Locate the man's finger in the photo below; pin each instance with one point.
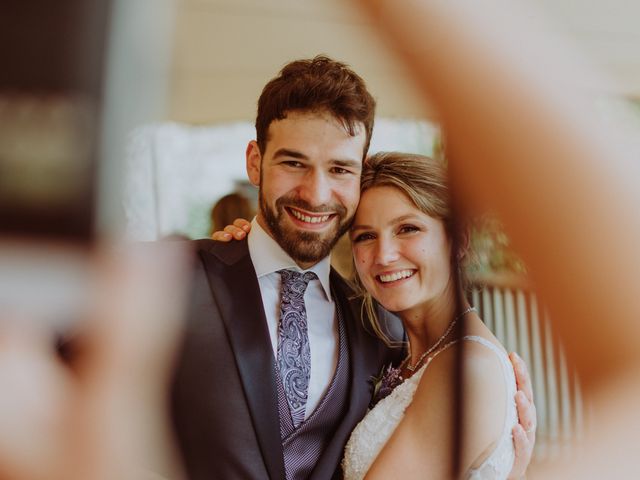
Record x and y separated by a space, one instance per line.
523 379
522 448
526 414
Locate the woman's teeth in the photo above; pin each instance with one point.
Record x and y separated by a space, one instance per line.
392 277
308 219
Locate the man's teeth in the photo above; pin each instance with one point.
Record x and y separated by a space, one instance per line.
392 277
308 219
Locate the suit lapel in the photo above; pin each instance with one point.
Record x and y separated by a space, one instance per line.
235 288
365 355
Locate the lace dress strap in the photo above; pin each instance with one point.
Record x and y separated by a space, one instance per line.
471 338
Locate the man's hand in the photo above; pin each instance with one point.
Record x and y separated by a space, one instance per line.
237 231
524 434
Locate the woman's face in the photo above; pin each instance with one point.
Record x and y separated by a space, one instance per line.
401 254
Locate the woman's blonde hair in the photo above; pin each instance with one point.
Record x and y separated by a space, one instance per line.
424 181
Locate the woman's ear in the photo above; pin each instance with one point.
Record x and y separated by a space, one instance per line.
254 162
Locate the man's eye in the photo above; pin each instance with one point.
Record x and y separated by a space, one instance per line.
340 170
293 163
362 237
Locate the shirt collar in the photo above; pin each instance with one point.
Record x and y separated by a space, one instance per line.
268 257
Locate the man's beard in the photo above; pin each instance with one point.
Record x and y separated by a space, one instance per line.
304 247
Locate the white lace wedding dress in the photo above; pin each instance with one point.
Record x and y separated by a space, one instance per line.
370 435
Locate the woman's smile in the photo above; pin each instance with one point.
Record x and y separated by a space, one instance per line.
395 277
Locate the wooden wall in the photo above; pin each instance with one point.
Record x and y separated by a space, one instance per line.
225 51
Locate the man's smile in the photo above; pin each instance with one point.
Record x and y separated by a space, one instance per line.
310 220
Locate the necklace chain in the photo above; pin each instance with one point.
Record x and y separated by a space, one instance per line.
413 368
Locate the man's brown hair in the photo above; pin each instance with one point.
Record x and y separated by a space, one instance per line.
319 84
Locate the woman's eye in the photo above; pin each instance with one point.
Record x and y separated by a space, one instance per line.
362 237
408 229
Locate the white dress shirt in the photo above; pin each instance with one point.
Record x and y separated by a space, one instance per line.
268 257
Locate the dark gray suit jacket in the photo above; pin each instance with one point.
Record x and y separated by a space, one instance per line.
224 400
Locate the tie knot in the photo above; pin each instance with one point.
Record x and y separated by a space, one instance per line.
296 281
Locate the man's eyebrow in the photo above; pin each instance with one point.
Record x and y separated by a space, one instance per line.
347 163
286 152
340 162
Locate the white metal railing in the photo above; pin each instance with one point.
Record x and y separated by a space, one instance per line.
511 309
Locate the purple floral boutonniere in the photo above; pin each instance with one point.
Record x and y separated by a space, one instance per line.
388 379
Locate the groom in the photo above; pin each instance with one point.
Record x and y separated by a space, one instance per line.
276 365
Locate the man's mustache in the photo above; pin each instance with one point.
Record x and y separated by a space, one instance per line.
336 208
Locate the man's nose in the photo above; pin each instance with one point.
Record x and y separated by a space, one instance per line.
316 189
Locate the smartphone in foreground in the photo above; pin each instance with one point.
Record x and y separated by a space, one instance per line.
51 90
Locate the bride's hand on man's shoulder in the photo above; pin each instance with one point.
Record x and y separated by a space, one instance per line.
237 231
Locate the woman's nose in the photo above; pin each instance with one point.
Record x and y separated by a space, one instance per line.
386 252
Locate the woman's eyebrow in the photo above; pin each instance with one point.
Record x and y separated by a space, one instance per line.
361 227
401 218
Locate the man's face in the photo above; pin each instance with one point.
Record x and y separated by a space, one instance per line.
309 179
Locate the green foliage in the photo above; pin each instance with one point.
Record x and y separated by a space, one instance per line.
490 249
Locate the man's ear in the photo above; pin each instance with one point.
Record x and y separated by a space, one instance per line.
254 161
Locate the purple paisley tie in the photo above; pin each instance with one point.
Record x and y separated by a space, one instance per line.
294 354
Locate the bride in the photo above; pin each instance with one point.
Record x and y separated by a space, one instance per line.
405 255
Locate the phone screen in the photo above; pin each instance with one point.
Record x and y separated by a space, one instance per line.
47 167
52 56
51 82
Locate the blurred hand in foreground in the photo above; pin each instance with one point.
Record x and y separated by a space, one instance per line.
103 416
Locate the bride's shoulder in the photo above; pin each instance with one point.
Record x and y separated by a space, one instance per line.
483 365
482 376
